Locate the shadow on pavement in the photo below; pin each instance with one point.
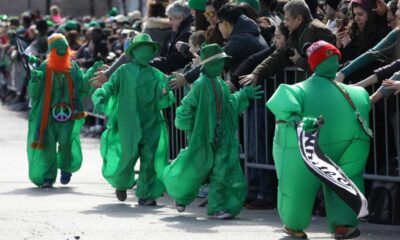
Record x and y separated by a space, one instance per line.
44 192
122 210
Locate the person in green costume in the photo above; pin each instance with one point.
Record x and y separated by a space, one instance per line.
342 138
56 89
132 100
209 116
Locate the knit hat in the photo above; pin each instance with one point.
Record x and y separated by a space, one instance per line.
319 51
333 4
55 39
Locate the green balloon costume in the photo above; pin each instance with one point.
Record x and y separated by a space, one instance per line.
342 138
132 100
56 117
209 116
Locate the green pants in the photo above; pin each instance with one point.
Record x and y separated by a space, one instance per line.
119 170
62 151
298 187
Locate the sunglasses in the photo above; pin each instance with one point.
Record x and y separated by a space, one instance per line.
209 14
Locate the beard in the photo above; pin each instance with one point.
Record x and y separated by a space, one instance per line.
60 63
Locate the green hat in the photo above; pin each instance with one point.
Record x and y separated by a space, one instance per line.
252 3
92 23
70 25
212 52
3 17
55 39
112 12
197 4
139 40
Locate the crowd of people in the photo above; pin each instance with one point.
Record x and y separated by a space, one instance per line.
181 45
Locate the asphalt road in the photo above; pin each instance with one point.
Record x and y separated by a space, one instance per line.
87 208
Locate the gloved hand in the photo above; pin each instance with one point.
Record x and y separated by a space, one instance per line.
253 91
35 74
309 124
99 105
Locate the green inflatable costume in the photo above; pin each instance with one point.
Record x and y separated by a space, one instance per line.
342 138
55 90
209 115
132 100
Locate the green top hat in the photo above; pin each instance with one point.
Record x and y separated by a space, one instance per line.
139 40
212 52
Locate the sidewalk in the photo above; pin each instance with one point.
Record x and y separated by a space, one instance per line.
87 209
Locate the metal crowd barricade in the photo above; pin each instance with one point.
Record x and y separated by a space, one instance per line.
177 138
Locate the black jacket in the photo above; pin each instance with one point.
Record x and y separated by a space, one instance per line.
170 58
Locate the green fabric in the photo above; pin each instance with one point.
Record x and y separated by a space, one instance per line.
43 163
385 50
341 138
198 4
61 44
202 161
132 100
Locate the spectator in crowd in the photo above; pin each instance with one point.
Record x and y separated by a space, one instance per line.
156 23
55 13
213 33
303 30
95 50
331 7
268 9
387 50
363 32
170 58
73 40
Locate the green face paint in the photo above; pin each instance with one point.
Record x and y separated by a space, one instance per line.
328 67
60 45
143 54
214 68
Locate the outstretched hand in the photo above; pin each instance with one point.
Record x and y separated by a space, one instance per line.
99 79
392 85
254 91
246 80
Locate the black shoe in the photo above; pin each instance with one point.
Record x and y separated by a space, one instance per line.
121 195
179 208
344 232
47 183
147 202
298 234
65 177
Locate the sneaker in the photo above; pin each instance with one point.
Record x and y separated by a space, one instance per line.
121 195
65 177
299 234
223 215
203 191
47 183
179 208
147 202
346 232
